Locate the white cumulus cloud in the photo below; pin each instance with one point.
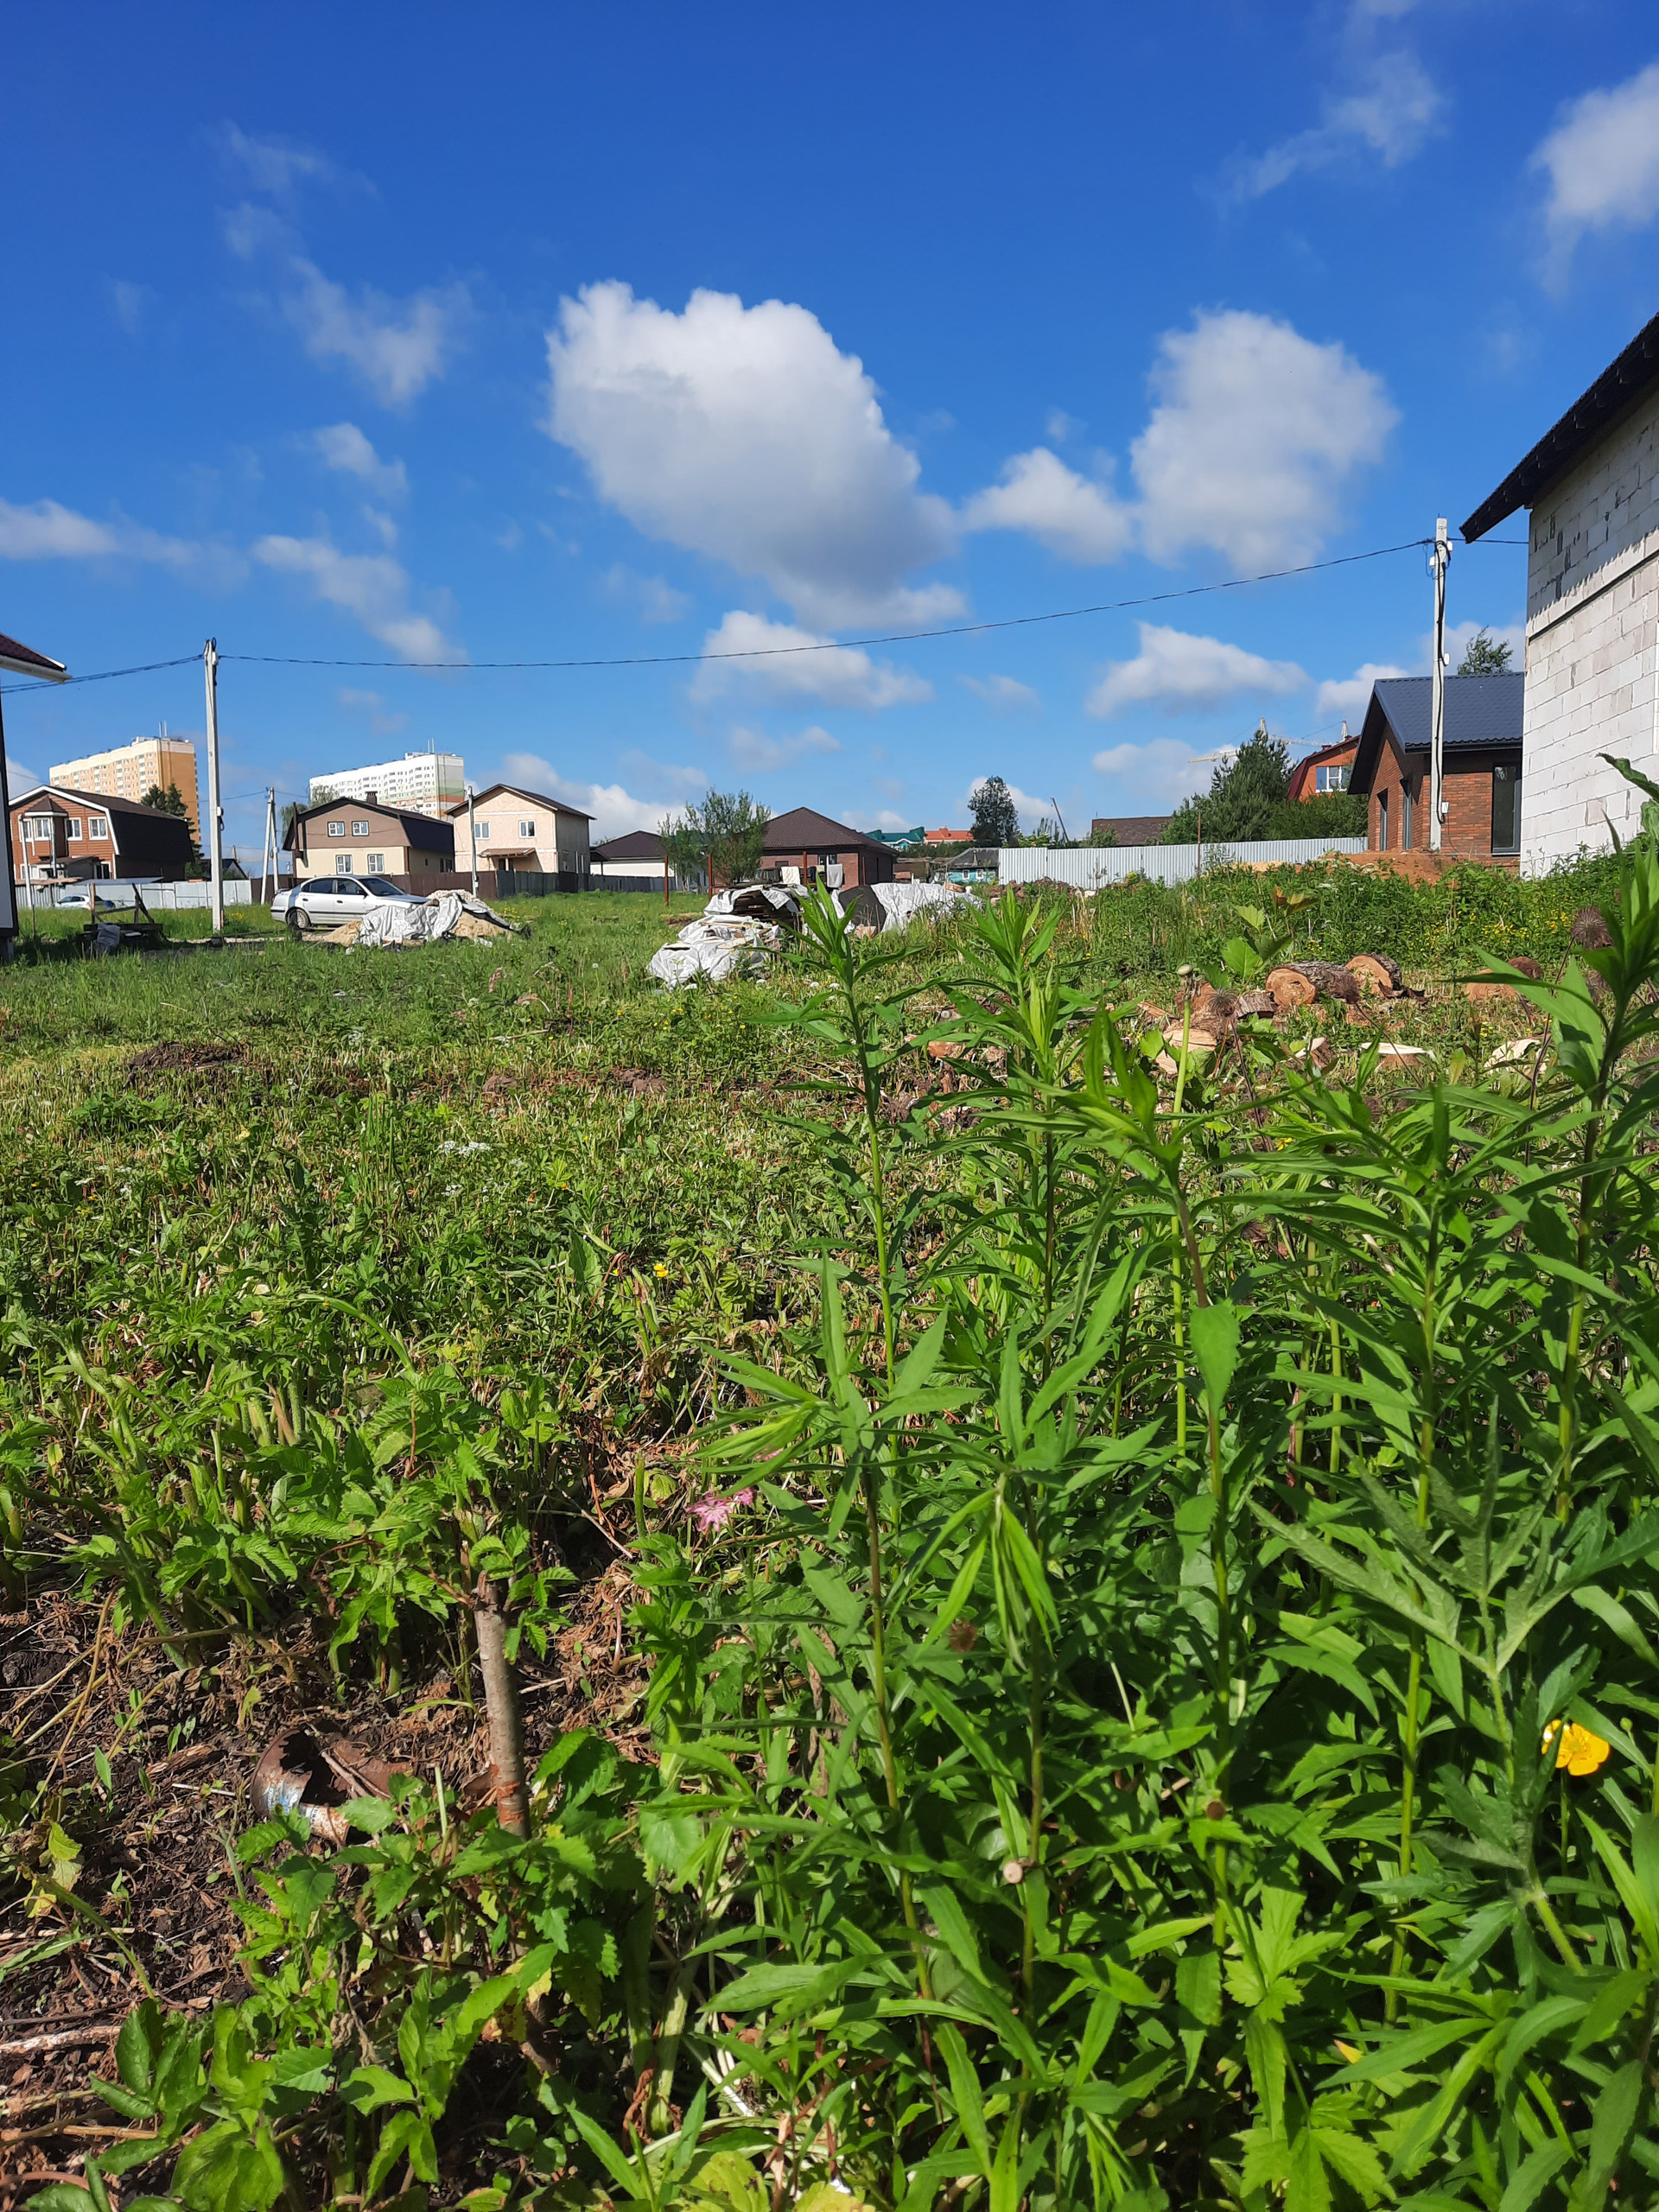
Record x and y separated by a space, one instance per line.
46 530
1080 520
757 750
1349 696
744 433
1256 433
653 599
615 808
1006 693
1602 165
277 165
342 446
396 346
1393 107
793 664
1163 771
371 587
1178 674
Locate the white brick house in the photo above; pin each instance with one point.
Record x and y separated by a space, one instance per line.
1591 485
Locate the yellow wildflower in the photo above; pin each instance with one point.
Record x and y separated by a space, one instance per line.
659 1269
1580 1751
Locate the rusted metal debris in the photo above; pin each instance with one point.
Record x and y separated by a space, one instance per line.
316 1774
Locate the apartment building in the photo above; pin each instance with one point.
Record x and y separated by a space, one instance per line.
131 772
423 783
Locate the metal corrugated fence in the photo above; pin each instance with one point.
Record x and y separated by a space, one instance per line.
1087 867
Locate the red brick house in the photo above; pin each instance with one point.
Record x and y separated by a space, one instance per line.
811 845
1482 763
1331 769
60 835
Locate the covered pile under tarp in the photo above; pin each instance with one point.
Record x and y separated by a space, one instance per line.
716 945
902 902
445 914
758 902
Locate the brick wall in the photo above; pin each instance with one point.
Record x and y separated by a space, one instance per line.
1467 831
1592 601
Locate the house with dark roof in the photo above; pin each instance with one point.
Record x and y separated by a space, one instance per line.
1590 488
806 847
63 835
359 836
1130 828
522 832
1482 766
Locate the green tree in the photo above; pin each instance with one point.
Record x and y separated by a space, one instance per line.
993 813
171 801
720 840
1484 656
1246 790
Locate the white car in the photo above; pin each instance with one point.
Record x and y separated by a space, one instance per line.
324 901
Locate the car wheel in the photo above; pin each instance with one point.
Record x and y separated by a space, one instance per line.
298 919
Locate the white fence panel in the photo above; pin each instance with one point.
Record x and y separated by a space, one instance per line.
115 891
1087 867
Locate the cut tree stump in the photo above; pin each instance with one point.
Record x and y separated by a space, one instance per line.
1298 982
1377 972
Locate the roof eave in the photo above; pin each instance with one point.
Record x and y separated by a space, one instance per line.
1620 388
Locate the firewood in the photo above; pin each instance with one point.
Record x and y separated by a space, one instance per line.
1376 971
1527 968
1291 988
1258 1002
1484 991
1196 1039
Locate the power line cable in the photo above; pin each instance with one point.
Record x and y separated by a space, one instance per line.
773 652
853 644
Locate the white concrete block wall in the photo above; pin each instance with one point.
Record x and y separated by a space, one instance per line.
1592 641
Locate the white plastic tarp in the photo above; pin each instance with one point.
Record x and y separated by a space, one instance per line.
715 946
902 902
397 923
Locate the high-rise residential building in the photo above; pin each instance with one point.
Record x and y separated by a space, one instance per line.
132 771
428 782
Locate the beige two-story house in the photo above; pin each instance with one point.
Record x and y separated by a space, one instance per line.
355 837
521 832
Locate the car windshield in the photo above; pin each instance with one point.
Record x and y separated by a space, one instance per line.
383 888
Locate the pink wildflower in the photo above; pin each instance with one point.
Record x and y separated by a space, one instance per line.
714 1512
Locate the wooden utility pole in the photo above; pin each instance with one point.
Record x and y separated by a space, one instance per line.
1441 558
215 859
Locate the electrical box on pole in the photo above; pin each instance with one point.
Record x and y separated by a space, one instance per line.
1437 807
215 858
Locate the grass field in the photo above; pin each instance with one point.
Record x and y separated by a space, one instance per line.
1046 1598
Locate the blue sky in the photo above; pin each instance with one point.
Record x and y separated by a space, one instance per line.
547 333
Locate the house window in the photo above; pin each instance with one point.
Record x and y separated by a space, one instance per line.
377 863
74 825
483 832
1381 821
343 863
1406 810
526 829
336 828
1331 778
97 827
1506 808
359 829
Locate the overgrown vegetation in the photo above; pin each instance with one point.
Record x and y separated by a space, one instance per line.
1140 1586
1249 798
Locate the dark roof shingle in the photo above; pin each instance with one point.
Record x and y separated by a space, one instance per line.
1618 388
1481 711
803 830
